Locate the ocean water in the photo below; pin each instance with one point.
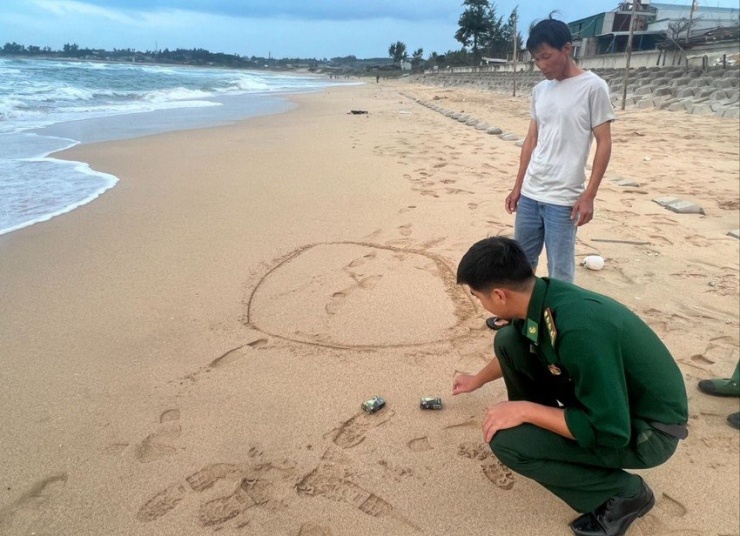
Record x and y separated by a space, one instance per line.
47 106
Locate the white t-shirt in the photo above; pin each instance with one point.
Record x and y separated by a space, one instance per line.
566 112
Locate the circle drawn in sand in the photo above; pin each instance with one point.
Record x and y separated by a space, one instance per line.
357 295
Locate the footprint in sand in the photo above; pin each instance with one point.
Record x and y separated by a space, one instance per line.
362 260
157 444
334 483
167 499
257 485
500 475
668 511
420 444
698 241
312 529
369 282
335 302
251 492
31 505
352 432
162 503
338 299
405 230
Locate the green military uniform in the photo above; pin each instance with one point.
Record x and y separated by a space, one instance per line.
623 394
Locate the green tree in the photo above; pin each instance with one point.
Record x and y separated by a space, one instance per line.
456 58
13 48
498 42
397 51
507 31
71 50
417 57
475 25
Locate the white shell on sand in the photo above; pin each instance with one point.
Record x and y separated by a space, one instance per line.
593 262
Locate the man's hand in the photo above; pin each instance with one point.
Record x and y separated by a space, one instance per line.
510 414
583 209
502 416
464 383
512 200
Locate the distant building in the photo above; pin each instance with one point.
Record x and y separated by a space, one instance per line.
608 32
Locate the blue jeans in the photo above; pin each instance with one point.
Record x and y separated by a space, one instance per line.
543 224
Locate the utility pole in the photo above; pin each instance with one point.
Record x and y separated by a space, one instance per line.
629 53
516 43
691 19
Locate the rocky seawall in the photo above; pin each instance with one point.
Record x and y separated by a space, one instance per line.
715 90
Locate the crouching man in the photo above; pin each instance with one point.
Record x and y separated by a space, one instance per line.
592 390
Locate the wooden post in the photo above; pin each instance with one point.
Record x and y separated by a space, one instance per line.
629 54
516 19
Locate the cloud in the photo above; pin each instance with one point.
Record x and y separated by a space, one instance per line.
63 8
409 10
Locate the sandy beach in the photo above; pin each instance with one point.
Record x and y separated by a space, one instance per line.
188 353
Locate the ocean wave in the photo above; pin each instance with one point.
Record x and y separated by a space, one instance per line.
176 94
62 190
53 98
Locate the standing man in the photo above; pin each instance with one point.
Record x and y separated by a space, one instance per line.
569 110
592 389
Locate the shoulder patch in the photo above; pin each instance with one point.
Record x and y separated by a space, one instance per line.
550 325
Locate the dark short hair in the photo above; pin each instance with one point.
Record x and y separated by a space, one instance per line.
495 262
550 32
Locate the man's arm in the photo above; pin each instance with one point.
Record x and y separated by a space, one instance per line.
530 142
465 383
584 207
510 414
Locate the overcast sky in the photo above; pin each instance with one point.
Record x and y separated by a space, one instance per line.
282 28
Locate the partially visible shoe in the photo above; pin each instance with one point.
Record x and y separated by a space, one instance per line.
734 420
614 517
720 387
495 323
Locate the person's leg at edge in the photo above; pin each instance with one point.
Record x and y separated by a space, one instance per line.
560 242
729 387
529 229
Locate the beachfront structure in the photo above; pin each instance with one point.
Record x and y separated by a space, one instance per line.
655 23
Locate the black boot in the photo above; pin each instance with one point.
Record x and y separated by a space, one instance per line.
615 516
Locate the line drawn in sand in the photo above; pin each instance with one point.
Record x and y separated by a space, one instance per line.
375 271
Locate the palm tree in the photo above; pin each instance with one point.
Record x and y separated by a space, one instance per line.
397 51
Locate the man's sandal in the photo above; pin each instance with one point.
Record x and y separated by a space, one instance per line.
495 323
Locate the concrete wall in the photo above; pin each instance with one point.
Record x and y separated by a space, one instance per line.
712 90
647 58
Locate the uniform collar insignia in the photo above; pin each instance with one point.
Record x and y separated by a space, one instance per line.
550 325
531 328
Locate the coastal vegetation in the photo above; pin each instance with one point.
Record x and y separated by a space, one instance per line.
481 32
